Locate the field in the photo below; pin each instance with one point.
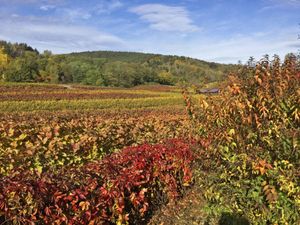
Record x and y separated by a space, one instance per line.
73 154
61 130
38 97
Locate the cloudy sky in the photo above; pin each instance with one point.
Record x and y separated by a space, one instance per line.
214 30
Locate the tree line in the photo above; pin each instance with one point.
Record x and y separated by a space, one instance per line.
20 62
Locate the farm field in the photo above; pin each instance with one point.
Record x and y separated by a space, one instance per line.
74 154
37 97
60 131
119 112
83 123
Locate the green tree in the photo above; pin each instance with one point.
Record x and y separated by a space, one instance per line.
165 77
23 69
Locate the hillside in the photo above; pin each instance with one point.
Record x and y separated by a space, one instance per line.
133 57
22 63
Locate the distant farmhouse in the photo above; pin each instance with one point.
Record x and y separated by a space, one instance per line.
209 91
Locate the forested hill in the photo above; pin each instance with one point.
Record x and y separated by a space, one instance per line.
22 63
130 57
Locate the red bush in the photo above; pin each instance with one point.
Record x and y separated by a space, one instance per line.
122 187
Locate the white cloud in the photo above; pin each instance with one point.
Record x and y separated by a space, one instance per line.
223 49
18 1
75 14
165 18
59 38
105 6
32 1
293 2
275 4
47 7
85 13
14 15
242 47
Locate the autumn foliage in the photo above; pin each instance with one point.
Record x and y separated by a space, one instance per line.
121 188
253 129
60 139
67 168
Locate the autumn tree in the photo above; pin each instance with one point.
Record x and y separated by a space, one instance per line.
3 62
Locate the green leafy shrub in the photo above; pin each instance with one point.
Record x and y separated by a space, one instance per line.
253 133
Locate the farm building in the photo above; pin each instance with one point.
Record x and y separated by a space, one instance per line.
209 91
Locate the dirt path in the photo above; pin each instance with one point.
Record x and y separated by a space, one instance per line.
191 210
186 211
67 86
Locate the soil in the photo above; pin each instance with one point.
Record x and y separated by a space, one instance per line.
186 211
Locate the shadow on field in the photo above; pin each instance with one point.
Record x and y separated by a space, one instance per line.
232 219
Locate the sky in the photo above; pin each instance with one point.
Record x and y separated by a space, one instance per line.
214 30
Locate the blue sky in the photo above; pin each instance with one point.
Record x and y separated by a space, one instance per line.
214 30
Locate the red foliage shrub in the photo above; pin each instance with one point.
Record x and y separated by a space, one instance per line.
122 187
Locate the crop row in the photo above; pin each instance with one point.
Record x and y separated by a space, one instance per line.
51 142
158 88
30 96
26 90
29 87
52 92
52 105
20 117
122 188
21 87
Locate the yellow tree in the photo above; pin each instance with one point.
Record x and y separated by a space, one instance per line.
3 61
